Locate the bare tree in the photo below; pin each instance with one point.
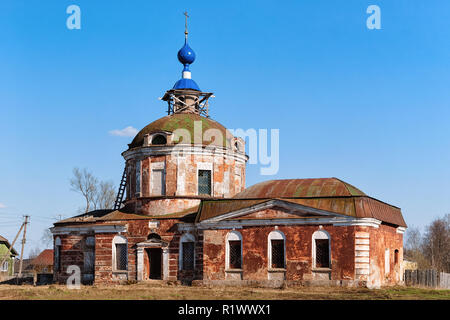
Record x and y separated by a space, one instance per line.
97 194
47 238
34 253
436 246
85 183
414 244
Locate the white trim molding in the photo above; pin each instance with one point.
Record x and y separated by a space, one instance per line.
400 230
88 229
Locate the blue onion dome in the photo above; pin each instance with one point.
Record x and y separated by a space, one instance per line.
186 55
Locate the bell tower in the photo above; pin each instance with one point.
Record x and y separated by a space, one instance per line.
186 96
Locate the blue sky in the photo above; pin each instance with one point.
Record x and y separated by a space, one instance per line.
370 107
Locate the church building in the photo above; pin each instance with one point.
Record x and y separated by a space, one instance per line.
183 214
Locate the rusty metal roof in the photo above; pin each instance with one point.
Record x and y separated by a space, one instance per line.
328 194
91 218
296 188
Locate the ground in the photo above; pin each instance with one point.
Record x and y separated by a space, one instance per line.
177 292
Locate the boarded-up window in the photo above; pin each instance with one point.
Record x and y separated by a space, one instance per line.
121 256
158 182
322 253
235 254
188 255
387 264
277 253
204 182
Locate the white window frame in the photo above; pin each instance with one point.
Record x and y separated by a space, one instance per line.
320 235
5 266
206 166
232 236
118 239
275 235
186 237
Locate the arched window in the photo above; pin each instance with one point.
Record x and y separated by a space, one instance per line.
233 250
276 246
57 262
159 139
120 253
187 252
5 266
321 249
396 256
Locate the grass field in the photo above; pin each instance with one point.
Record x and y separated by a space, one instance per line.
177 292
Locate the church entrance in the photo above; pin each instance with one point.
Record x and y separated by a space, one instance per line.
155 263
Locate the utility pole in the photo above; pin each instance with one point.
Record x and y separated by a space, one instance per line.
23 245
12 245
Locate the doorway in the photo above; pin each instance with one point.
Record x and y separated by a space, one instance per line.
155 263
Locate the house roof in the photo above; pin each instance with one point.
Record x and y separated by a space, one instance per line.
90 218
45 258
8 245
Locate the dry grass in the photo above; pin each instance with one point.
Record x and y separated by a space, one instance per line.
176 292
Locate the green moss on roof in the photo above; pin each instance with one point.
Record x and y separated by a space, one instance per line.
292 188
184 121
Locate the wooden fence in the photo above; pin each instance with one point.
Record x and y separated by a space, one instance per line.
427 278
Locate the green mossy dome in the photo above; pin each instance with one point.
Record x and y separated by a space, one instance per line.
186 121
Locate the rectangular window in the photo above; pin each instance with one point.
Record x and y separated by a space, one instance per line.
322 253
5 266
235 254
138 177
188 255
121 256
57 258
277 253
89 256
204 182
158 182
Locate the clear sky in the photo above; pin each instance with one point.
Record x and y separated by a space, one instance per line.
370 107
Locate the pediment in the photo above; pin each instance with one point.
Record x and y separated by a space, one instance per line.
274 213
274 209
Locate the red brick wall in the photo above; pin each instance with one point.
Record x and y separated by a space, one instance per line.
381 238
137 231
298 252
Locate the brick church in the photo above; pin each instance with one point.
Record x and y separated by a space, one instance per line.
183 214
